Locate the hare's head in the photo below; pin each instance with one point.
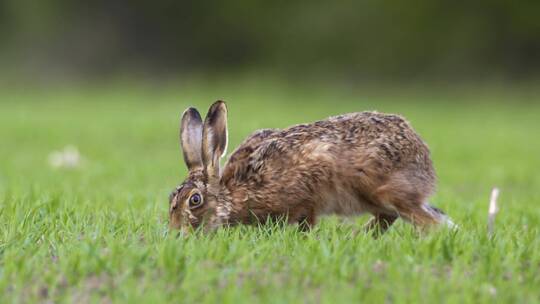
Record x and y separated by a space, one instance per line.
195 201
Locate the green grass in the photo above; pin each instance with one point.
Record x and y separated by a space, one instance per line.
98 232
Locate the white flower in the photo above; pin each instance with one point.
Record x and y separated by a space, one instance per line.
69 157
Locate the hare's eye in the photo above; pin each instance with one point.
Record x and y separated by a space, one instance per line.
195 200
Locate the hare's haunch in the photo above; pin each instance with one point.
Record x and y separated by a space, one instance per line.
346 165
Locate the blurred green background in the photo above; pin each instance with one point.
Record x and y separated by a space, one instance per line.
344 40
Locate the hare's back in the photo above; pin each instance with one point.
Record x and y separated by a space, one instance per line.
388 135
387 139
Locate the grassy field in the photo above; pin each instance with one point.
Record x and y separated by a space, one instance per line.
97 233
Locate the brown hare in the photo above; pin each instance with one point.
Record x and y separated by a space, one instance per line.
346 165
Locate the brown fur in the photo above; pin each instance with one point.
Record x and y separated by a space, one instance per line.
345 165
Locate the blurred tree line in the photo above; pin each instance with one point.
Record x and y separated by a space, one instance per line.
369 38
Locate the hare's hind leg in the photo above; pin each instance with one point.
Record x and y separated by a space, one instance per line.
418 215
408 204
303 215
440 215
425 216
379 223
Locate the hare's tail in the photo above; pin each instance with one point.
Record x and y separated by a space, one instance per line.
443 217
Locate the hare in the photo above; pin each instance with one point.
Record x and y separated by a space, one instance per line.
346 165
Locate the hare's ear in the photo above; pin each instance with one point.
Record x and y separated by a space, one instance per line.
214 137
191 129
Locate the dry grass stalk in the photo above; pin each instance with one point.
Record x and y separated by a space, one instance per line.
493 210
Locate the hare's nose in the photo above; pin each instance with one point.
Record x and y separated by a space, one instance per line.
173 224
186 230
